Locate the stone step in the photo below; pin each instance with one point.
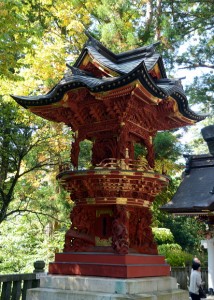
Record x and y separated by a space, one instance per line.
172 295
56 287
109 285
57 294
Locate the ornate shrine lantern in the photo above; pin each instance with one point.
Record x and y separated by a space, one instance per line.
115 101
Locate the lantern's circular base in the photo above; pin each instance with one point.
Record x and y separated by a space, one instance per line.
110 186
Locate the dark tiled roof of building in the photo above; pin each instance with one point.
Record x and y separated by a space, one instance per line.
196 191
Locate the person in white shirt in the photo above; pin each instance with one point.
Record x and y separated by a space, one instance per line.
195 281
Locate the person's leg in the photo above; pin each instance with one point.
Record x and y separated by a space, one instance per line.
192 296
195 297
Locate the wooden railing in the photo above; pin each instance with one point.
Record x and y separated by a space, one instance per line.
15 286
111 163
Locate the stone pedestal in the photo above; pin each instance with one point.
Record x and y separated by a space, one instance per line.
96 288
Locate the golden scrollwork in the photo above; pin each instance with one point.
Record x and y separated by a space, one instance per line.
102 242
90 200
107 211
121 200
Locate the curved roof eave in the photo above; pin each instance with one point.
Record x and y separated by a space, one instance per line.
97 85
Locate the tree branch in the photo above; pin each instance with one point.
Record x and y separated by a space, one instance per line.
39 166
37 213
193 66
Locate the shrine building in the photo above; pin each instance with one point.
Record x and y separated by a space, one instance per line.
195 196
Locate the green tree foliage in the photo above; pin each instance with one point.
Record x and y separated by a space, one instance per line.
172 250
13 36
187 232
27 157
175 256
34 207
24 240
162 235
168 150
167 146
201 93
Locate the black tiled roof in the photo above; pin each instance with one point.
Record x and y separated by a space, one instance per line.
124 62
159 88
124 67
196 191
132 66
